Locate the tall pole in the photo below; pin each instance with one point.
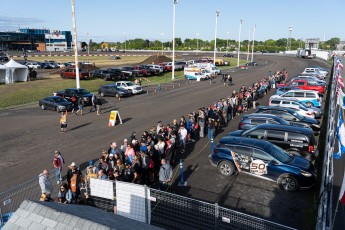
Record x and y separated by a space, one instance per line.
239 43
75 47
289 40
227 42
173 53
248 45
215 39
253 44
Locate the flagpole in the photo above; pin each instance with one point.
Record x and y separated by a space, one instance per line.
75 47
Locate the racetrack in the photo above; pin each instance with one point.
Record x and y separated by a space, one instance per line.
29 136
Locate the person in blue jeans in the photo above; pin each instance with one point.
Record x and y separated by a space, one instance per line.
211 128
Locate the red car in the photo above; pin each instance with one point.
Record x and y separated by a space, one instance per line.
304 84
71 73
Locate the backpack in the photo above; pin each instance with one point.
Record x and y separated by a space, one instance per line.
73 183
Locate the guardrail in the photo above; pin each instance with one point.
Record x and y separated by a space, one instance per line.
324 215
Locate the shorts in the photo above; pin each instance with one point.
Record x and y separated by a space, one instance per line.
80 107
64 125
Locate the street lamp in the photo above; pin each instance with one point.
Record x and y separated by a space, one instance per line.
125 33
253 44
50 50
215 39
162 34
239 43
173 54
248 44
227 42
289 39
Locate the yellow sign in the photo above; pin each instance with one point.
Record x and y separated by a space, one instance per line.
114 118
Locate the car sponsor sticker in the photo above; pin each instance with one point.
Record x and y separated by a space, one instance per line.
258 167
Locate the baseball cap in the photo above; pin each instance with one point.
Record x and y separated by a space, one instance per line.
111 155
72 164
91 163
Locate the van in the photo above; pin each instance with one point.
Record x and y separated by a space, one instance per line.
307 97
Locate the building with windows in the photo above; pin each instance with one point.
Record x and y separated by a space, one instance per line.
36 39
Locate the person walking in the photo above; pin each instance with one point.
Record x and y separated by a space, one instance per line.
98 105
46 185
94 103
80 103
63 121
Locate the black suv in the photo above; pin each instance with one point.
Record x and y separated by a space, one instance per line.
295 140
292 116
249 121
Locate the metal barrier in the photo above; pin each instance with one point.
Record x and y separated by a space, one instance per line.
11 199
324 215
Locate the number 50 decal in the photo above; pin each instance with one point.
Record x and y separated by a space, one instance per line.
258 167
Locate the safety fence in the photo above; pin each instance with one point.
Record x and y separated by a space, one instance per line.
324 215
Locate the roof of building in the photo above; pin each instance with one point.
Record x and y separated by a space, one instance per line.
52 215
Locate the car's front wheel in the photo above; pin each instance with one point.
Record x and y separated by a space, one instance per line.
225 168
288 183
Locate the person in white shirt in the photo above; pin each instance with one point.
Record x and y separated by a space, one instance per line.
183 137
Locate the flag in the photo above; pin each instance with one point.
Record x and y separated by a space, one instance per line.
340 134
340 82
340 66
342 192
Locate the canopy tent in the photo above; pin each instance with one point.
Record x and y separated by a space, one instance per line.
12 71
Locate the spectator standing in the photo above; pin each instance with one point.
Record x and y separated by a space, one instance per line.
63 121
80 103
201 121
183 137
94 102
57 163
98 105
71 169
45 184
75 187
211 128
165 175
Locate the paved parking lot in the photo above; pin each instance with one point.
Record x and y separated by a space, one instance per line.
29 136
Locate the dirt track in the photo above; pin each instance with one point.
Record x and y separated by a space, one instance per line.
29 136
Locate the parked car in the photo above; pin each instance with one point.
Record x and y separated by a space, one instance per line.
307 97
113 90
75 93
292 116
131 87
4 58
115 57
263 160
282 89
254 63
71 74
105 75
121 74
286 102
228 55
148 69
315 70
145 71
158 68
306 85
135 72
249 121
33 65
321 69
295 140
311 79
56 103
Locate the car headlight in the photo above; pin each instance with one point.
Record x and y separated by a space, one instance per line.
306 174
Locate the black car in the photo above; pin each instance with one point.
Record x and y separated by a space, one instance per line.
113 90
4 58
228 55
249 121
254 63
292 116
56 103
295 140
263 160
119 73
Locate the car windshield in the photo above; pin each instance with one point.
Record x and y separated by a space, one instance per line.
129 83
82 92
280 154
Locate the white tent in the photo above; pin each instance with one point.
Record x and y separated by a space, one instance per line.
12 71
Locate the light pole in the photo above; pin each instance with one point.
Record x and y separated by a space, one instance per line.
215 39
173 54
125 33
248 44
88 44
162 34
239 43
227 42
75 47
289 39
253 44
197 42
50 50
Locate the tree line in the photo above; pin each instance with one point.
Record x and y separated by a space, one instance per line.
190 44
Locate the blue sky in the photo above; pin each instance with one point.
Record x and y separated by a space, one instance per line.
108 20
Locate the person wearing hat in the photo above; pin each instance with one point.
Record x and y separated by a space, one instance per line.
71 169
111 162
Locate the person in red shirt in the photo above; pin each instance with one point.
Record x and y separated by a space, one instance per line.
57 162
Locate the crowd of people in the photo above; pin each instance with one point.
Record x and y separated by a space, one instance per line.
149 158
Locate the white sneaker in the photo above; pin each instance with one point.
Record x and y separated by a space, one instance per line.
58 182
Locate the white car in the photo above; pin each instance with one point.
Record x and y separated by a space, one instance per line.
156 67
130 86
33 65
302 110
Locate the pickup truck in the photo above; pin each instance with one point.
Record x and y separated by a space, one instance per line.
71 74
69 93
145 71
105 74
132 88
123 75
135 73
305 85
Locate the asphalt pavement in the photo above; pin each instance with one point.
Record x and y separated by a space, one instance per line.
29 136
